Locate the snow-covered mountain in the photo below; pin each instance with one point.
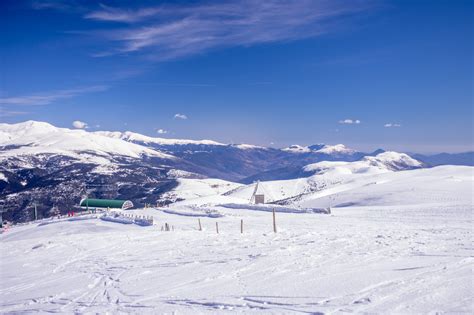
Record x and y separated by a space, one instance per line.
381 163
47 165
136 137
384 187
338 149
319 177
226 161
33 138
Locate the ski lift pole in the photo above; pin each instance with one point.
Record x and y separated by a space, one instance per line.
1 213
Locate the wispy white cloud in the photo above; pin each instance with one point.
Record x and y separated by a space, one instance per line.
180 116
171 31
162 131
79 124
350 121
9 113
392 125
112 14
69 5
50 97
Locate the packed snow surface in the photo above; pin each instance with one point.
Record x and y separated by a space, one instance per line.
403 246
442 184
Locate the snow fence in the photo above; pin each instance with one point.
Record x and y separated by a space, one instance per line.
269 208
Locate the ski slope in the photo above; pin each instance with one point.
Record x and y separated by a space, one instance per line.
398 254
357 260
438 185
329 174
191 188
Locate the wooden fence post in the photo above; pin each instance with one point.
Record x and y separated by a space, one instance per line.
241 226
274 222
217 228
200 226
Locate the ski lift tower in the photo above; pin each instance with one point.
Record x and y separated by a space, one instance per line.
35 208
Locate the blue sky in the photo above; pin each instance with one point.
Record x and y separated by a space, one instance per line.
369 74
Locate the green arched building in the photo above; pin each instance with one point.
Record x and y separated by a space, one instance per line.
106 204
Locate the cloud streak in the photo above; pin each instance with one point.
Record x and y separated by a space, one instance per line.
172 31
112 14
11 113
392 125
50 97
350 121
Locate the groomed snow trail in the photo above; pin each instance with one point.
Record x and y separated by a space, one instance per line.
406 259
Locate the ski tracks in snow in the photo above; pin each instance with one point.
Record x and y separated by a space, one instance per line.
348 262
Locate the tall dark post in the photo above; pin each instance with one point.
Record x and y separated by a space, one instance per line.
2 205
274 222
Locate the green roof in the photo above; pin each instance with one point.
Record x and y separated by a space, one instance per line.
106 203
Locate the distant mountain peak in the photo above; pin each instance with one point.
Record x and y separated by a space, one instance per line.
395 160
137 137
295 148
321 148
336 149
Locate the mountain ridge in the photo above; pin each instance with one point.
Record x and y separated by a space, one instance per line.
47 165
